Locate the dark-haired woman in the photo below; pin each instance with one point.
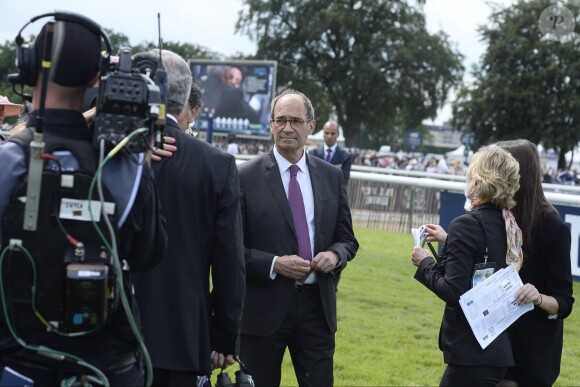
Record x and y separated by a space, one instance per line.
537 336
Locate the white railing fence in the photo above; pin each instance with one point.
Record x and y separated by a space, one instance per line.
397 200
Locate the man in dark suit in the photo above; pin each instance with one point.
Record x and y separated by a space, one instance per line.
297 236
183 323
331 152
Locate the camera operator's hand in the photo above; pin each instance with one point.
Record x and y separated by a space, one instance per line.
167 150
219 360
90 115
291 266
325 261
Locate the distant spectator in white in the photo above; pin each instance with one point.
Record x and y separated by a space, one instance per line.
442 166
233 148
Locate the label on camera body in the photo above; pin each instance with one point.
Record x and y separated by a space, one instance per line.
75 209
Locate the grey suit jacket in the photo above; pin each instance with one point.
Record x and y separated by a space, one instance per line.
269 231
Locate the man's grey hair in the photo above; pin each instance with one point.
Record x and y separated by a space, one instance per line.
179 79
307 103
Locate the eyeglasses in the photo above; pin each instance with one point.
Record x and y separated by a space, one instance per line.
296 123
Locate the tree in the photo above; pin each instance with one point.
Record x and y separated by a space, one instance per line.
185 50
118 40
526 86
8 59
371 62
8 66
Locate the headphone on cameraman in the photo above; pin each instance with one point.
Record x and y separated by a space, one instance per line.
26 58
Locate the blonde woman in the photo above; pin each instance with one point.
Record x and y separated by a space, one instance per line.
492 181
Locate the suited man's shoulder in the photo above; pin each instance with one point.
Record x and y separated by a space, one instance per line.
205 151
257 162
318 151
323 166
193 153
211 150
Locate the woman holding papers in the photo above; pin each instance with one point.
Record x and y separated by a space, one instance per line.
492 181
537 336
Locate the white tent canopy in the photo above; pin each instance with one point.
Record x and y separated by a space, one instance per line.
318 137
459 153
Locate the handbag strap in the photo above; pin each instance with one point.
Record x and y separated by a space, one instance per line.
480 221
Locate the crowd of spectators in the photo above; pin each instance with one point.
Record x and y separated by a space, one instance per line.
370 158
245 146
409 162
561 176
400 160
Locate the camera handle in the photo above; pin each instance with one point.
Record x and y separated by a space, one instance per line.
242 365
243 377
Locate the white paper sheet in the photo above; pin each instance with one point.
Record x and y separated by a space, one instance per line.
490 308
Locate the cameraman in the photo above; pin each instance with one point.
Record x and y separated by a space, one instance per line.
141 236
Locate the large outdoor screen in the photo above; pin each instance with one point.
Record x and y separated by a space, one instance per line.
236 95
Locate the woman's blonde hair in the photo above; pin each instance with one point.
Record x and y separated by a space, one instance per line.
493 176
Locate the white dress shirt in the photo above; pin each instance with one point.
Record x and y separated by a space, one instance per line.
303 178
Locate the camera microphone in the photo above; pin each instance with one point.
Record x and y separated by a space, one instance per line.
161 81
146 64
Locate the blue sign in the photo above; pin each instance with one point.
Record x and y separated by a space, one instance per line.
467 140
414 140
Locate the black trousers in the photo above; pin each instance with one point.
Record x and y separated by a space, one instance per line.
472 376
305 333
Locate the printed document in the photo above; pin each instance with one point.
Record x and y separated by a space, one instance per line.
490 306
418 234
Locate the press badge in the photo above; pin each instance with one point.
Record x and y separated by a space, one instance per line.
481 271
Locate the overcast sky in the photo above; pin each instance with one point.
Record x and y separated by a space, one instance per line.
211 23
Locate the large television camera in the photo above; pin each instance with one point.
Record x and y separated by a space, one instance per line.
128 98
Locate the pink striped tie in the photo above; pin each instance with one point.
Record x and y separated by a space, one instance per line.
299 216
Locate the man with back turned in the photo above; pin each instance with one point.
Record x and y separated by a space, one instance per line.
188 324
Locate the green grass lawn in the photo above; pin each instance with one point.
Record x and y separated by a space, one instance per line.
388 323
